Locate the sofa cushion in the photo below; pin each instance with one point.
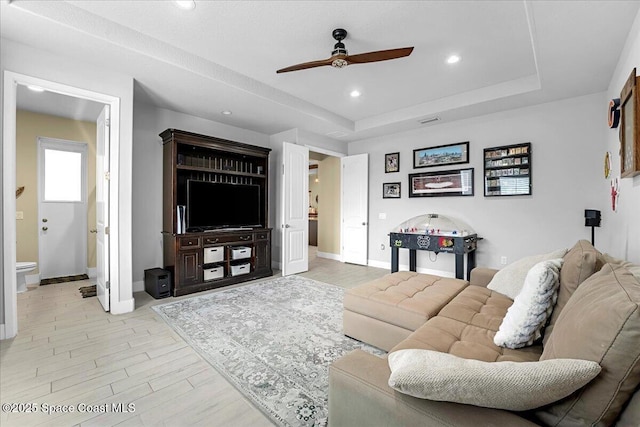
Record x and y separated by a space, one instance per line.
509 280
406 299
601 322
465 327
580 262
503 385
524 320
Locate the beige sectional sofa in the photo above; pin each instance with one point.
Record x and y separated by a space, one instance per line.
596 317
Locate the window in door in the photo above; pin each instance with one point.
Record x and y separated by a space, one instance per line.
62 176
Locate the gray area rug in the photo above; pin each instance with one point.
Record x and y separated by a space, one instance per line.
273 340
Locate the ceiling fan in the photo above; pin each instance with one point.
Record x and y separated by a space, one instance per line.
340 57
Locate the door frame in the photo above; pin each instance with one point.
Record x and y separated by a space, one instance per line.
11 81
45 142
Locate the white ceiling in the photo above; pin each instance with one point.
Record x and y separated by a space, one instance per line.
224 55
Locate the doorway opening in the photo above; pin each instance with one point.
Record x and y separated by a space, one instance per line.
13 82
324 206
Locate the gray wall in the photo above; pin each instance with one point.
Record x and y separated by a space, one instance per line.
567 150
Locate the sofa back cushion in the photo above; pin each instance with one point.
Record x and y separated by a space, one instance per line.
601 323
580 263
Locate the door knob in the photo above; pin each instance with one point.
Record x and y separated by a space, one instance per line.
287 226
44 220
93 231
364 223
45 228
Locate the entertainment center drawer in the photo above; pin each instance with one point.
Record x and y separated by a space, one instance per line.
229 238
263 235
188 242
209 240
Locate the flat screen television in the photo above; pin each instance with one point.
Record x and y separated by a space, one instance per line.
216 205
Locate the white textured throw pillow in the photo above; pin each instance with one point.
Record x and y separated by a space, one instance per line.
509 280
516 386
532 307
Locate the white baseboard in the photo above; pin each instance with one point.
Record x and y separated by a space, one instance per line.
379 264
92 272
328 255
138 286
2 337
405 267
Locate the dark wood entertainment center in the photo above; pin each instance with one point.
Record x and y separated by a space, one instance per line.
199 259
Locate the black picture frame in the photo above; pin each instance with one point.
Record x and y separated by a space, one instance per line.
391 162
391 190
441 155
452 182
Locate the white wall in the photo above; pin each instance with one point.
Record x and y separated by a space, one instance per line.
147 176
623 235
58 68
567 149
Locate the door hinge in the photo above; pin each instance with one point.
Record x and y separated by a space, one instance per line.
106 231
283 169
107 175
107 285
107 122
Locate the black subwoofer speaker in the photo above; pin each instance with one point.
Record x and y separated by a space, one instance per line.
157 282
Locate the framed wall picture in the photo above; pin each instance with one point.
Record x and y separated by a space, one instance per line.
630 127
392 162
441 155
391 190
455 182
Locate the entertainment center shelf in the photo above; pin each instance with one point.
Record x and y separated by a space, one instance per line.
215 211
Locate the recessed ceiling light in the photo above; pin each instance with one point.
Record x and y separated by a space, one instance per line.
453 59
186 4
355 93
226 112
35 88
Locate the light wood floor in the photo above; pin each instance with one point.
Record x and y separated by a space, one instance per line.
70 352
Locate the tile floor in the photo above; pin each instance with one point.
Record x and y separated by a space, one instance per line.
70 352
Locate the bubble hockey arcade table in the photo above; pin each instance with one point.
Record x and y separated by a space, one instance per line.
435 233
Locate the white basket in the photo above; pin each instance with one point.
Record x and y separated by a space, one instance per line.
240 252
213 254
213 273
237 270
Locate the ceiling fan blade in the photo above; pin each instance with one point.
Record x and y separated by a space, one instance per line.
306 65
379 55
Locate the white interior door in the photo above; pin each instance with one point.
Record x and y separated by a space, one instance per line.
355 208
62 208
102 208
295 209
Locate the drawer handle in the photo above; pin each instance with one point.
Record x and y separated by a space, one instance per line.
214 241
191 243
245 237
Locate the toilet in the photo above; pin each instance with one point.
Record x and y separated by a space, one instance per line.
22 268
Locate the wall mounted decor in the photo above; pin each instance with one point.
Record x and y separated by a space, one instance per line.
630 127
391 190
613 116
507 170
607 164
392 162
441 155
455 182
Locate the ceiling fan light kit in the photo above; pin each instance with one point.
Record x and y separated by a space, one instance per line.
340 57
